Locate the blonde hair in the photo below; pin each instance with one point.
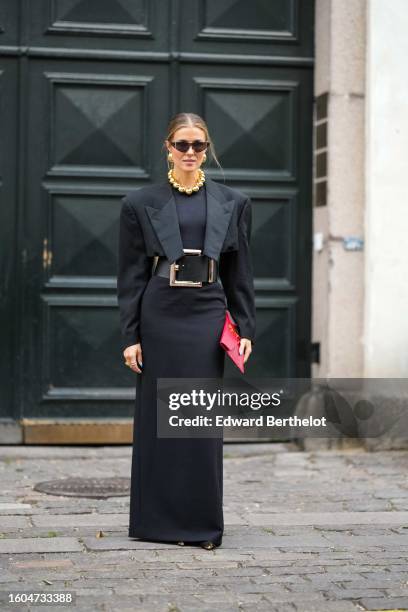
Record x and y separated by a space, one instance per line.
191 120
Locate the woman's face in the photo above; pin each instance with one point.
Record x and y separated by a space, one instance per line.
189 161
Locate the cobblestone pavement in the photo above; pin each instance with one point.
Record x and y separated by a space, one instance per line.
304 531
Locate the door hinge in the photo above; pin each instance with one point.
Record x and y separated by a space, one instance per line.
47 255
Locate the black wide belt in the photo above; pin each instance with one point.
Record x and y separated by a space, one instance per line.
191 270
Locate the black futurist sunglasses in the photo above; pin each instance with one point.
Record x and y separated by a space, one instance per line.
183 145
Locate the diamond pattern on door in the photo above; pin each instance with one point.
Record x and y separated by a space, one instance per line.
79 347
102 11
273 230
98 125
244 15
251 127
277 322
84 235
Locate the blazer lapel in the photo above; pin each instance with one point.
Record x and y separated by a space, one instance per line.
166 224
219 211
165 221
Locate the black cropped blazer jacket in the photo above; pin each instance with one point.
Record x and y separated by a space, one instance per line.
149 226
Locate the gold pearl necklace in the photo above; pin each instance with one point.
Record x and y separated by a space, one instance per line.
188 190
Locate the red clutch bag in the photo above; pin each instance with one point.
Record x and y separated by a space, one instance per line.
230 340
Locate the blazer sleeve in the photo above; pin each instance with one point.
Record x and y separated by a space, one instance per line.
134 268
235 269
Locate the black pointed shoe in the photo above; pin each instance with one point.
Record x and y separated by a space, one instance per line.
209 545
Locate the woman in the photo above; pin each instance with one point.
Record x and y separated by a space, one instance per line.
171 322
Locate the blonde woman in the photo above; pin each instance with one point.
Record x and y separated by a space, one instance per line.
172 330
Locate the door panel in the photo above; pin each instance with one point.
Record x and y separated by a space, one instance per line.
96 131
257 121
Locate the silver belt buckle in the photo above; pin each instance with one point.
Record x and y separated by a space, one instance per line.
174 267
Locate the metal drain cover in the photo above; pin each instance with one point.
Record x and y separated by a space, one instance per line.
98 488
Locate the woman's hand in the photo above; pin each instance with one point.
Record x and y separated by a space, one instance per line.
133 357
245 346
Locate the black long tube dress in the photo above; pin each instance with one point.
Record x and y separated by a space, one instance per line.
177 483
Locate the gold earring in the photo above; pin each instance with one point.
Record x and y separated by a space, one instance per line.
170 157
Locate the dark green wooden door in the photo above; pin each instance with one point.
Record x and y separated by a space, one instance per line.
89 88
